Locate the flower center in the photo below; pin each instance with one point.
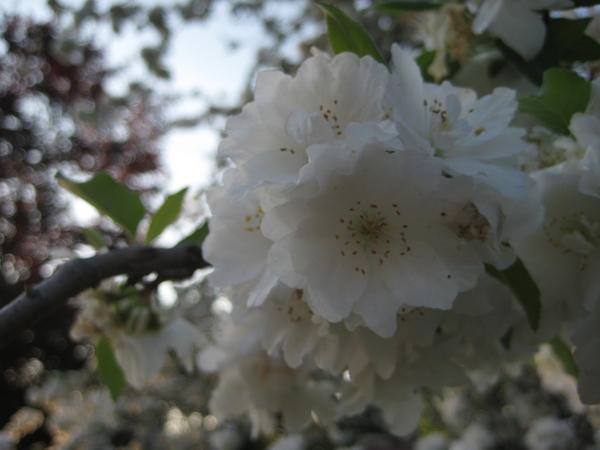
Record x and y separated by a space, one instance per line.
471 224
573 234
253 222
366 229
330 116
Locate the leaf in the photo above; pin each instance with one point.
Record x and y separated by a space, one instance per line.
347 35
166 214
110 198
566 43
563 352
424 60
506 339
198 236
95 238
518 279
111 373
405 6
563 93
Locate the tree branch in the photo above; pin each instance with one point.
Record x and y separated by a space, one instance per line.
77 275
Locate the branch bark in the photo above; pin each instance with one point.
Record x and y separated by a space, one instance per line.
79 274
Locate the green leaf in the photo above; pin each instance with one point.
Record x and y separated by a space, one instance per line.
506 339
95 238
563 93
524 288
405 6
198 236
110 198
111 373
566 43
166 214
563 352
347 35
424 60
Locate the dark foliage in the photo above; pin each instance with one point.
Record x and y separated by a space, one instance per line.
55 114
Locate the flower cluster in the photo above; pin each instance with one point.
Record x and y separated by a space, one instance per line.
353 233
352 237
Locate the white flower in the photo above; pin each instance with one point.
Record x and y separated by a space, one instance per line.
586 129
400 396
294 442
262 387
235 246
549 433
516 22
395 232
268 140
141 356
475 437
470 137
433 441
561 254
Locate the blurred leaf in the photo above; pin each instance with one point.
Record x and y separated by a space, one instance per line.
506 339
152 56
111 373
563 352
156 16
166 214
120 13
110 198
566 43
347 35
563 93
405 6
518 279
197 236
95 238
424 60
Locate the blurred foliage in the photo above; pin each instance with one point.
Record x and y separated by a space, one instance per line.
55 114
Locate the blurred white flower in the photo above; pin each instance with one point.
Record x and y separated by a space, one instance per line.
549 433
142 355
433 441
293 442
475 437
516 22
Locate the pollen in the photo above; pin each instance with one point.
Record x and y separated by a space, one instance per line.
368 231
253 222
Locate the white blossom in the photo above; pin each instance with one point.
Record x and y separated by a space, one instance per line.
268 140
516 22
236 246
395 232
549 433
470 137
141 356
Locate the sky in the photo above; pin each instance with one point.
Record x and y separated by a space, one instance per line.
200 60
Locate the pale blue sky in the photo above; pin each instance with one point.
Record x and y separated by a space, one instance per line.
200 60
